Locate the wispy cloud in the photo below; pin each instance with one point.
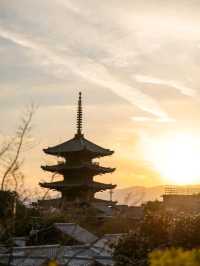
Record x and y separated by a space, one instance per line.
106 46
151 119
89 70
171 83
49 48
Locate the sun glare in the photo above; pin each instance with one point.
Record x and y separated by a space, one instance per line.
176 158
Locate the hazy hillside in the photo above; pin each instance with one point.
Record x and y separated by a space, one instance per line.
138 194
134 195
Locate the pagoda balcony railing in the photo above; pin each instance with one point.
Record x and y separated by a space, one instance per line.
62 162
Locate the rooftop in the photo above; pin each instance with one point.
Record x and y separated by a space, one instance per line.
65 168
78 145
61 185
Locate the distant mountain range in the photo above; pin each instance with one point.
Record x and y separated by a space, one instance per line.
134 195
138 194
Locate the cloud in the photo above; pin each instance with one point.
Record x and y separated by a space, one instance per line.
151 119
174 84
116 50
87 69
105 46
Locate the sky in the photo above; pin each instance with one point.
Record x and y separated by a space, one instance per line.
136 62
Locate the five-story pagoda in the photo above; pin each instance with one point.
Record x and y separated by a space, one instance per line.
78 168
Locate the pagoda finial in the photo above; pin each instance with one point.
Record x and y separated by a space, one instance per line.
79 116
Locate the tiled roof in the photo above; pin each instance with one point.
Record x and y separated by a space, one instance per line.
61 185
77 145
95 168
76 232
91 249
83 255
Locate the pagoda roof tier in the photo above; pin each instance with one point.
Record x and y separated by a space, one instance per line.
63 186
78 144
91 168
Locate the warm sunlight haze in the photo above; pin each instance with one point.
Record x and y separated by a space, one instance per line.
176 158
137 65
100 132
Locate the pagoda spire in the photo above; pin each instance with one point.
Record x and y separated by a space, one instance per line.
79 116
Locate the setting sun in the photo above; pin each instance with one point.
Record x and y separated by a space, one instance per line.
176 157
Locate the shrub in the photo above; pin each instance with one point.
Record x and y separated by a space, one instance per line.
175 257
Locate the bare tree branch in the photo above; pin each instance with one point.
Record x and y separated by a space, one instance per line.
22 132
5 147
46 193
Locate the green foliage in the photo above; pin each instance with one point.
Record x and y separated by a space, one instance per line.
175 257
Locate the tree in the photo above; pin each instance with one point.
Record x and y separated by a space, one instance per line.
152 232
157 231
10 152
185 232
152 207
132 250
12 192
